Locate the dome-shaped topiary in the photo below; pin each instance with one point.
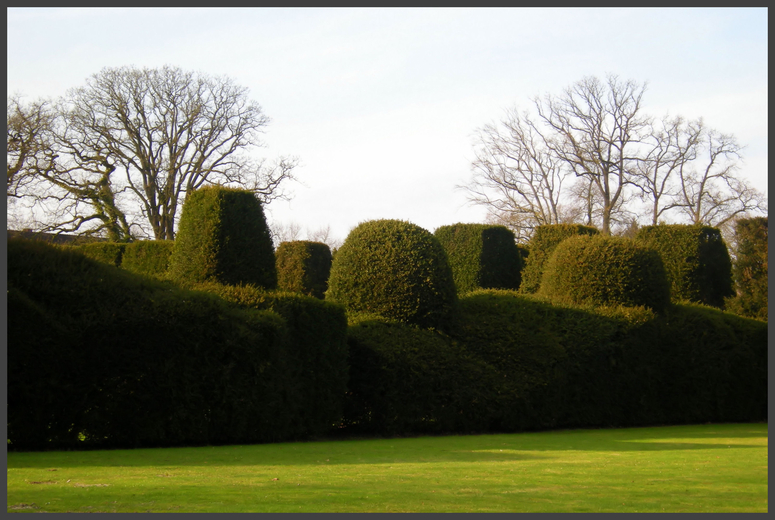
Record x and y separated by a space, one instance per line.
223 237
394 269
605 270
541 245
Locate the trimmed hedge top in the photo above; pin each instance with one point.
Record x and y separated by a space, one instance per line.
605 271
481 256
696 260
541 246
394 269
303 267
223 237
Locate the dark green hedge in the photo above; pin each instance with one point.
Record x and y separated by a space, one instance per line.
148 257
750 269
303 267
126 360
525 364
394 269
110 253
605 270
223 237
316 351
696 260
541 245
481 256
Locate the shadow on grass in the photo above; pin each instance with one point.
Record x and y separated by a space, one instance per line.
465 449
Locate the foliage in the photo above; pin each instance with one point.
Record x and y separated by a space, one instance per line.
316 351
481 256
148 257
394 269
124 360
303 267
696 260
224 237
541 246
750 268
111 253
602 270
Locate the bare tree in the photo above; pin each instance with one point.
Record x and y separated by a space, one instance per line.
598 128
516 175
165 132
28 127
48 167
710 191
671 146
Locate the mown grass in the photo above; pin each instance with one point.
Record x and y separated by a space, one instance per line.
699 468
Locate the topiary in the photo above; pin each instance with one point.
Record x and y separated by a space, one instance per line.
303 267
396 270
750 268
605 271
110 253
223 237
696 259
541 246
481 256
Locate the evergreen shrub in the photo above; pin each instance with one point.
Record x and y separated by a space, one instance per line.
303 267
125 360
750 269
223 237
396 270
696 259
481 256
541 245
110 253
148 257
603 271
316 351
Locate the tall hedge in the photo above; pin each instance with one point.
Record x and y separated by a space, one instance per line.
303 267
396 270
148 257
316 352
223 237
750 268
696 259
541 245
605 271
481 256
99 356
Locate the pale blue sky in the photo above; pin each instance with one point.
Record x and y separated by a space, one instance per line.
381 105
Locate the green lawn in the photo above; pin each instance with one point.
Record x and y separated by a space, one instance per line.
703 468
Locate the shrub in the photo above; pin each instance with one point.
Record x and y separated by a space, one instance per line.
396 270
148 257
696 260
126 360
750 269
541 246
604 270
316 352
303 267
223 237
481 256
110 253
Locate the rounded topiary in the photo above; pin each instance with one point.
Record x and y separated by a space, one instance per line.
606 271
223 237
541 245
303 267
396 270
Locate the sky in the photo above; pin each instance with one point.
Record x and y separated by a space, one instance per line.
381 105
